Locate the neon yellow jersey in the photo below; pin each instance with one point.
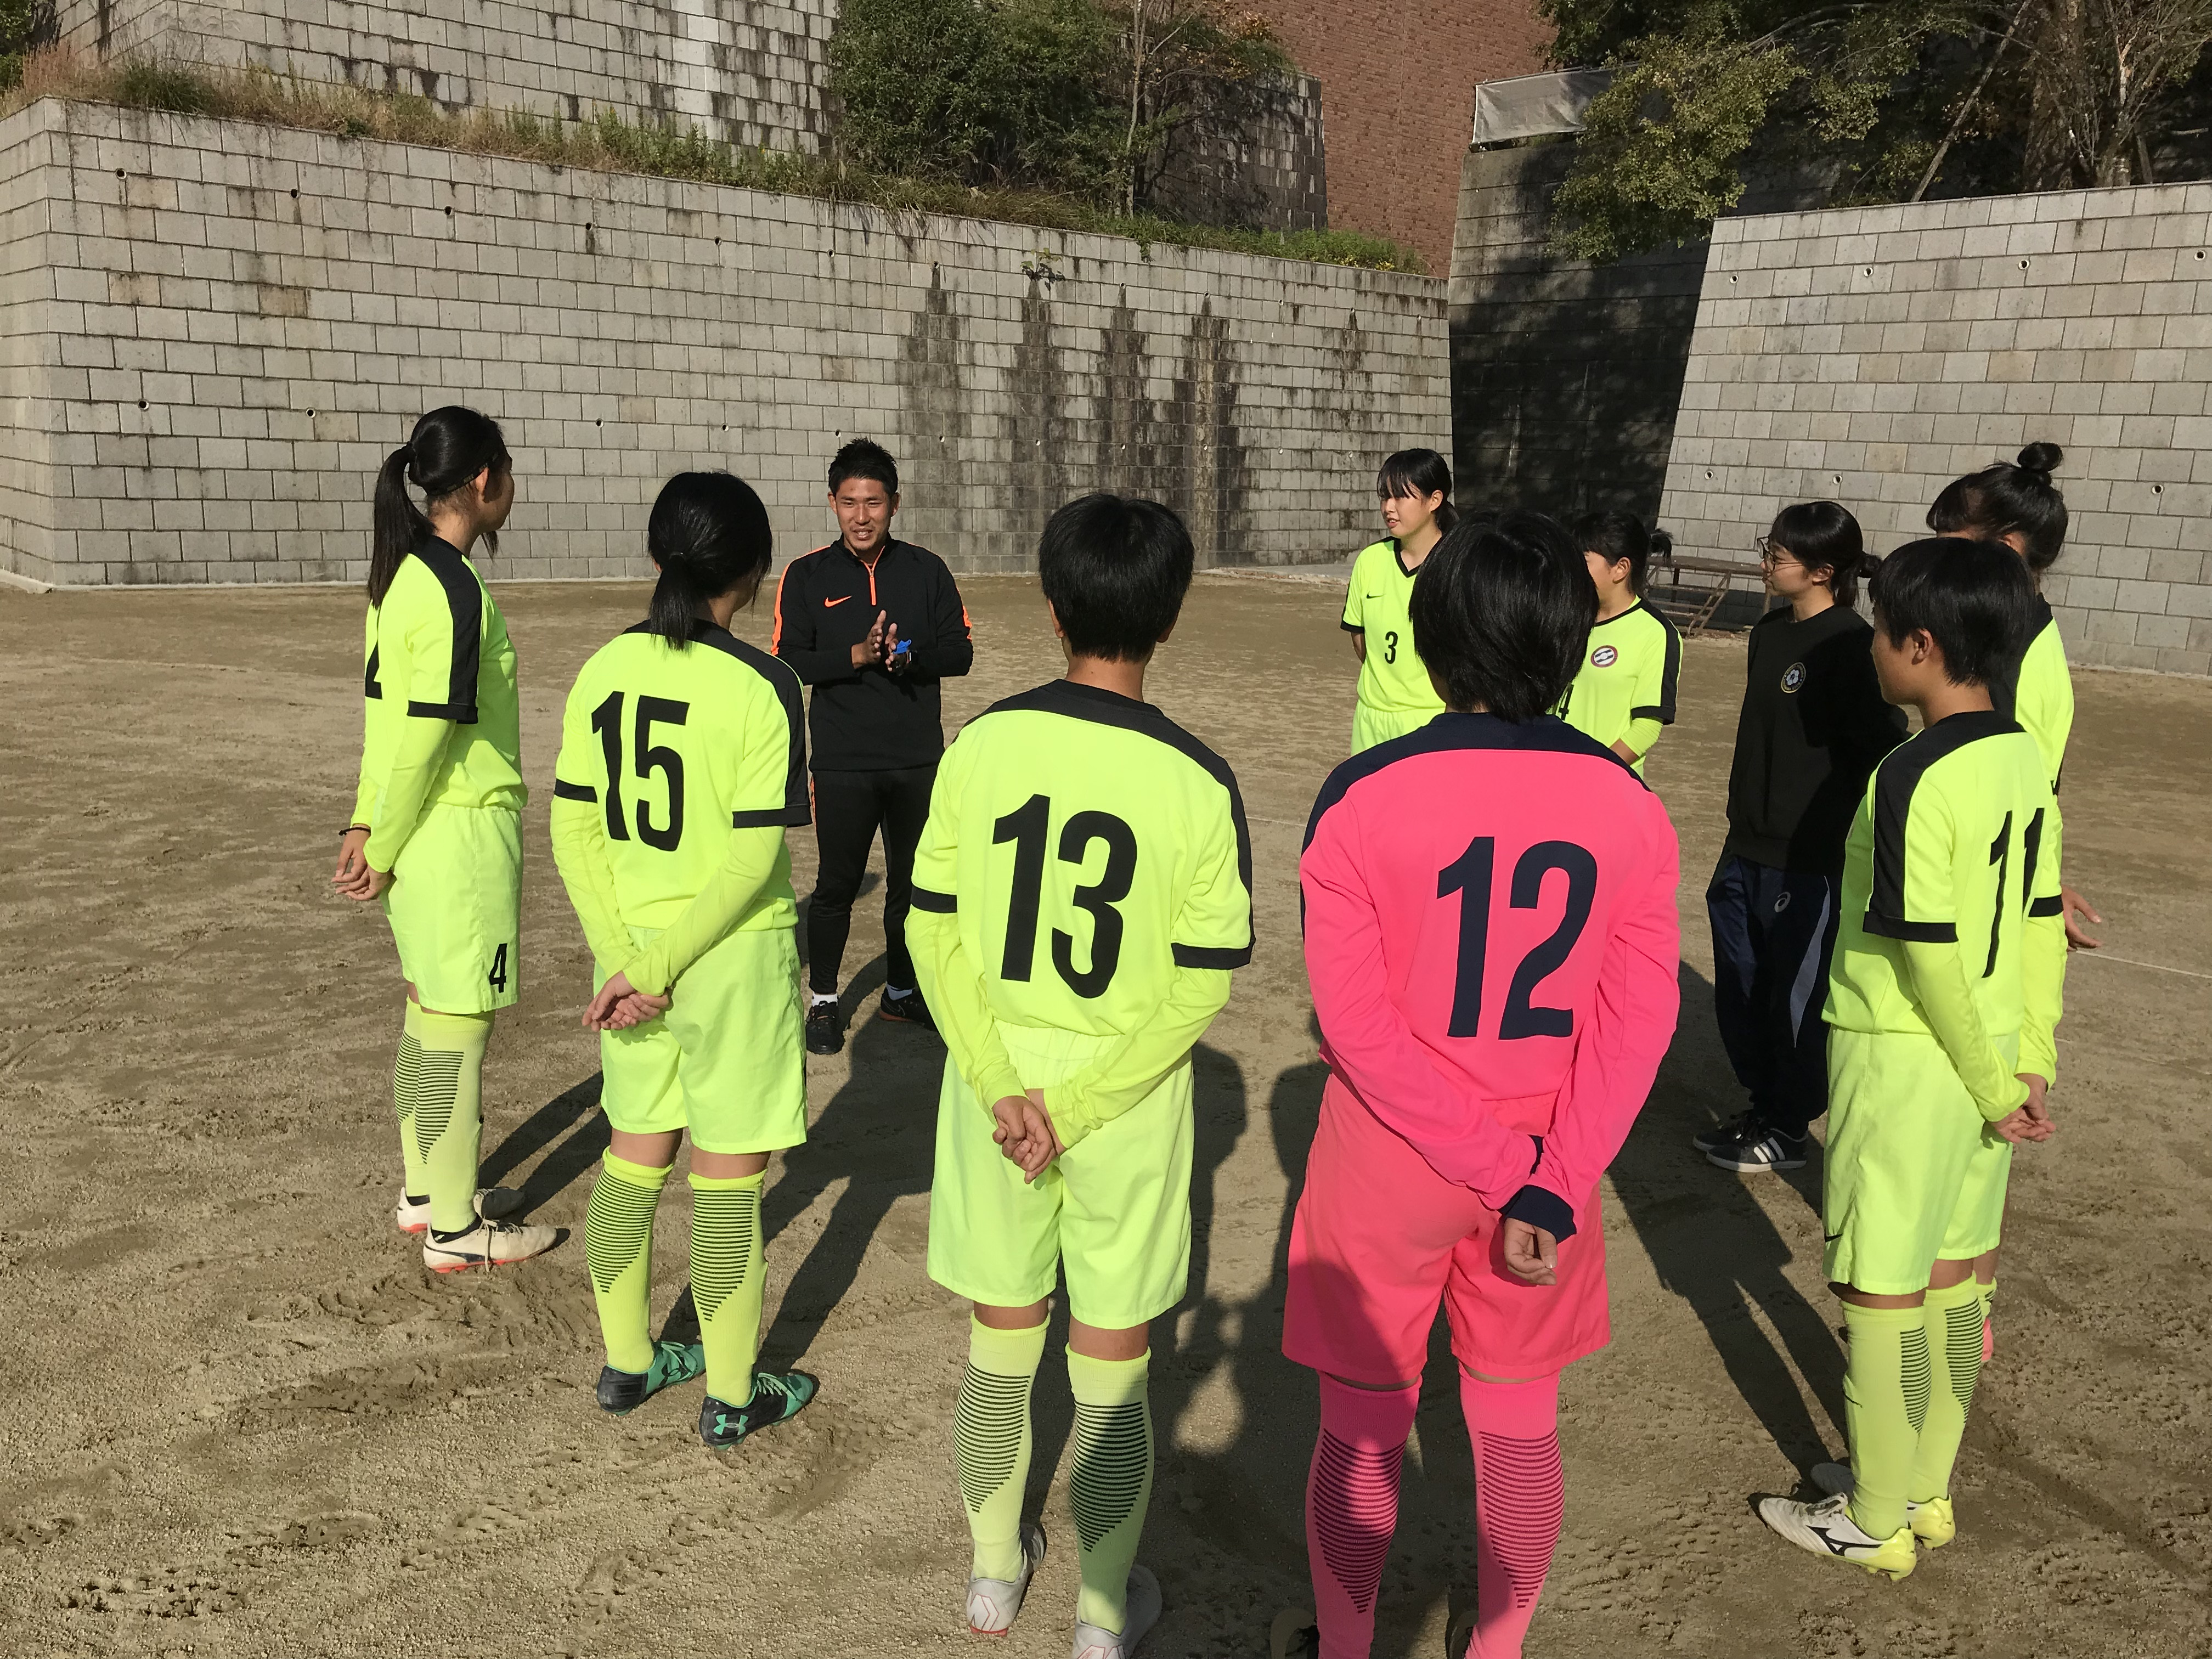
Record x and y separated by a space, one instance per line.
1392 679
2041 696
1086 869
1952 845
1624 692
676 749
436 649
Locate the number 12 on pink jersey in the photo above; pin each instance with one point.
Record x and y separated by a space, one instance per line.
1470 875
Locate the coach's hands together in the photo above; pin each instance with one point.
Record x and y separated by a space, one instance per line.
869 653
2030 1122
1024 1132
620 1005
1532 1255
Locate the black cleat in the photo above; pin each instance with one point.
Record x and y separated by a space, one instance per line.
907 1009
623 1392
777 1396
1743 1123
825 1028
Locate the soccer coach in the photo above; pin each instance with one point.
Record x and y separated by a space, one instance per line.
872 623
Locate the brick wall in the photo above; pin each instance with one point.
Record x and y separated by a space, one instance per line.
214 331
1871 354
749 71
1398 98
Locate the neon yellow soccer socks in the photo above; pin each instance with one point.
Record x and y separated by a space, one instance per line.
991 1438
1952 1318
728 1278
1111 1480
1885 1386
437 1083
618 1250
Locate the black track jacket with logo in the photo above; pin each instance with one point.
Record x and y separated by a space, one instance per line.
869 720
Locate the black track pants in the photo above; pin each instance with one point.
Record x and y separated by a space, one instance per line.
849 807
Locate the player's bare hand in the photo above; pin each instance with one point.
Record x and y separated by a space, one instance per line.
2070 902
637 1009
2030 1122
371 884
352 866
619 1004
1532 1255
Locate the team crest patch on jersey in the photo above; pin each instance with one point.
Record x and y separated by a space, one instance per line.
1604 657
1793 676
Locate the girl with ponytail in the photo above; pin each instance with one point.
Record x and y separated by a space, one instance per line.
2018 506
683 761
1396 695
436 836
1622 693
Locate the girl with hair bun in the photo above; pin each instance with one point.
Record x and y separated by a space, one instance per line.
436 836
1396 695
2018 506
1622 693
683 761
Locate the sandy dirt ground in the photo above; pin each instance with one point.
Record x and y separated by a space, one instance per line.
241 1419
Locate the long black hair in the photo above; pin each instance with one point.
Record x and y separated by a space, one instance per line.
1420 473
449 447
708 533
1501 611
1616 536
1819 534
2003 498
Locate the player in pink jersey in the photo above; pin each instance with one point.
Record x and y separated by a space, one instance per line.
1491 934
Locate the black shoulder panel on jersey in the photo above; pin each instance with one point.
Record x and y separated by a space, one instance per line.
1670 675
2004 688
798 800
1449 732
1103 707
465 600
1894 781
370 685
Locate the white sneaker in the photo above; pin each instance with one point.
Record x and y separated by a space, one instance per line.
487 1244
993 1602
411 1216
1826 1528
1144 1611
1932 1523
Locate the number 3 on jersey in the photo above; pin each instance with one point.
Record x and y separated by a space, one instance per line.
1470 876
1028 827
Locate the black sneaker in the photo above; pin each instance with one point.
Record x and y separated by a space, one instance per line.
1721 1134
623 1392
1757 1150
825 1028
777 1396
907 1009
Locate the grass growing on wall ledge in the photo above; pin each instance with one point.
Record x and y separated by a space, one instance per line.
609 143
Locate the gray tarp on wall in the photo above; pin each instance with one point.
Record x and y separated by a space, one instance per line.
1529 106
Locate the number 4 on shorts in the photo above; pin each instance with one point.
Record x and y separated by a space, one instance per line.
497 978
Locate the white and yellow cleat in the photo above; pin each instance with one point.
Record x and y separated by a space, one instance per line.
1827 1528
1932 1523
487 1244
1091 1642
993 1603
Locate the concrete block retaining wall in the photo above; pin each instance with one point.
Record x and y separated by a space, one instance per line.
212 333
1871 354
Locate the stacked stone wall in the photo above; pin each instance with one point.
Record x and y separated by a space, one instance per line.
1871 354
215 330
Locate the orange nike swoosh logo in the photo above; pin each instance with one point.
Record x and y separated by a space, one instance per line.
829 604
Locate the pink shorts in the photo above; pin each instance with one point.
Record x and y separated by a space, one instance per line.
1380 1238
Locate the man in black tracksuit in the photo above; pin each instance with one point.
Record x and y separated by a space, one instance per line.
872 623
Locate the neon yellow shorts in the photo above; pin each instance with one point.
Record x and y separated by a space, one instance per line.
1372 726
1113 1212
727 1062
455 907
1913 1173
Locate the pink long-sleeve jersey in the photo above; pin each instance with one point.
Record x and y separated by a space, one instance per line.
1491 938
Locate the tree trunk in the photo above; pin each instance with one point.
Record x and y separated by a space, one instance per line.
2054 158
